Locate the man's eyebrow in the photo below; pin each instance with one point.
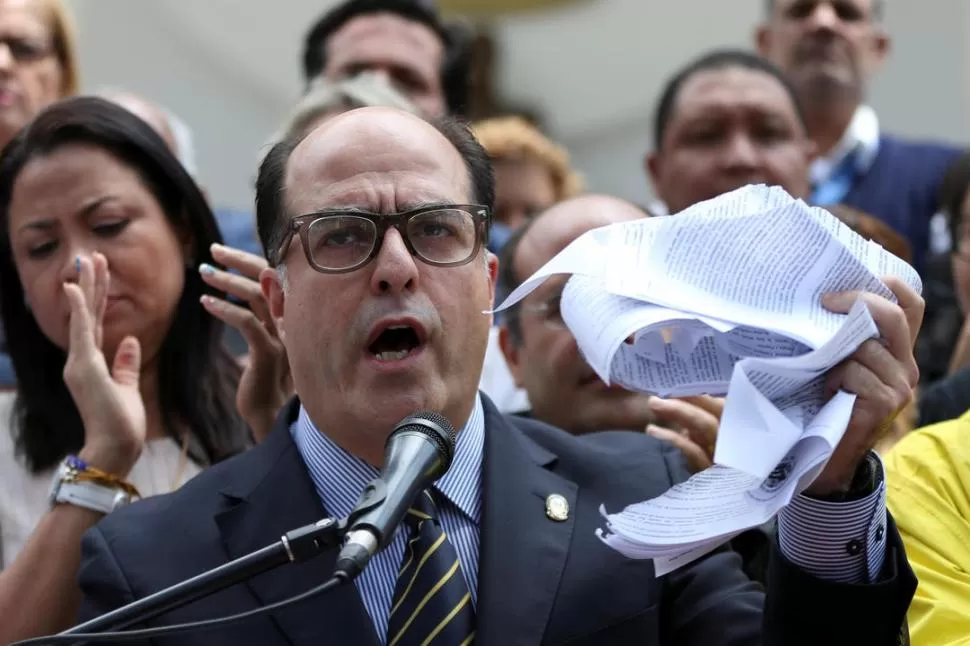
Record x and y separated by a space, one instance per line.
414 206
408 206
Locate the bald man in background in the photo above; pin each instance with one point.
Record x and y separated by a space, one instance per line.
542 354
152 114
540 351
238 227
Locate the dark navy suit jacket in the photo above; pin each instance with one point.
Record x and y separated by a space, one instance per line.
541 581
902 188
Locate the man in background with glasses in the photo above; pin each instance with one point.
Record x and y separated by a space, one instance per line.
375 224
541 352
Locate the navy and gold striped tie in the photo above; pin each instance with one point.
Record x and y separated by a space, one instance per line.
432 605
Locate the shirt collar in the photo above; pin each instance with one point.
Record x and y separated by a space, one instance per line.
339 476
861 138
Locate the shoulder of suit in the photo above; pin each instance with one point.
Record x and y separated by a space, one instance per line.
926 147
200 497
617 449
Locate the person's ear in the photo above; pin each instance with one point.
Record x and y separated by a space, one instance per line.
491 264
271 283
881 46
762 40
652 167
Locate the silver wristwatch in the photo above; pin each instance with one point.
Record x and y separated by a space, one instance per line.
66 488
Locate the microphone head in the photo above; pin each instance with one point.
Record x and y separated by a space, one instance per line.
435 427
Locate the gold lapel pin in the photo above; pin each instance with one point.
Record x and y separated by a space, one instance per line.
557 508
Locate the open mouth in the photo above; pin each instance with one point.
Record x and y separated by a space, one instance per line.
395 343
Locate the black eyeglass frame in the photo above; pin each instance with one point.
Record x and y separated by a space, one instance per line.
382 222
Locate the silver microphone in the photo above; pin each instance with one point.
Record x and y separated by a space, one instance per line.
418 452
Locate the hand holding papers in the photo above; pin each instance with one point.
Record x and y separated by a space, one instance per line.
725 298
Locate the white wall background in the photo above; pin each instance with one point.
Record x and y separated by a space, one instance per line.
230 68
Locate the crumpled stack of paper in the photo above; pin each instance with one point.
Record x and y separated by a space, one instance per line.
724 298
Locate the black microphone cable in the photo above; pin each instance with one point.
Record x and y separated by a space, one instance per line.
333 582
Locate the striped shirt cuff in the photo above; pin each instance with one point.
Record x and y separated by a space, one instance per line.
842 542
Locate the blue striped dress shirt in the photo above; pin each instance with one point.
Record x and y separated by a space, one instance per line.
841 542
844 542
339 478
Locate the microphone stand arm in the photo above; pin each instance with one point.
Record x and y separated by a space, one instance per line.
295 546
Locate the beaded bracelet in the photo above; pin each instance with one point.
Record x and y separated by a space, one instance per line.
82 471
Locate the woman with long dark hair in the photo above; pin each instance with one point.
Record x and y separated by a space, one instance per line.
124 388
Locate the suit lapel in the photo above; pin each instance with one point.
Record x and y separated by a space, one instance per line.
523 551
273 495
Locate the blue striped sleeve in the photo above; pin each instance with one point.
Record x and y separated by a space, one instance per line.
843 542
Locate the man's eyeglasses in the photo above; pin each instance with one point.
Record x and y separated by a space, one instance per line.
336 242
548 311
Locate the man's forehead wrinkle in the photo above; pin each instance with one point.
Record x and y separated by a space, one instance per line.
374 159
384 134
408 33
357 198
367 125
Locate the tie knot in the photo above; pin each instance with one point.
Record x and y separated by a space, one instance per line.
423 508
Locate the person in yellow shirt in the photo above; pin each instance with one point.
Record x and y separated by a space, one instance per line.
928 481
